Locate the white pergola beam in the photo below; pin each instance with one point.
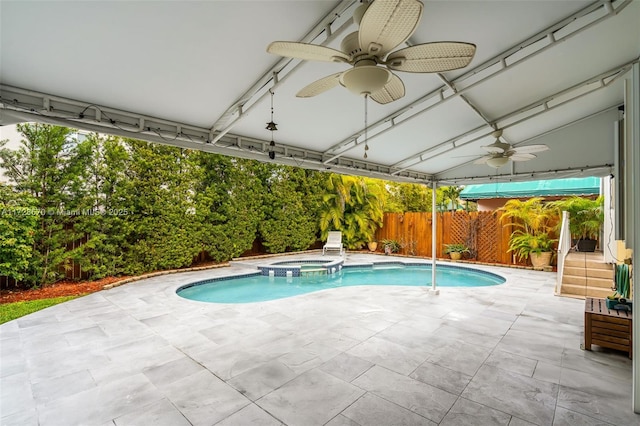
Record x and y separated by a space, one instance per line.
524 50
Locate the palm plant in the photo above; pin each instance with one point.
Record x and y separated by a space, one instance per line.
535 220
353 205
452 193
585 215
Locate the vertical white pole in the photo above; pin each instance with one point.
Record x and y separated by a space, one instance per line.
632 227
434 227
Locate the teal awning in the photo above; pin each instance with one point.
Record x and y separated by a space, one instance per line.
536 188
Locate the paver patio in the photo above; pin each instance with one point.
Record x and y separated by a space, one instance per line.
141 355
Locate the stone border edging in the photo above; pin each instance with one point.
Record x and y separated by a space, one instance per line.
159 273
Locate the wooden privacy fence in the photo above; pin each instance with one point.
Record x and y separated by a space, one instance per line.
483 232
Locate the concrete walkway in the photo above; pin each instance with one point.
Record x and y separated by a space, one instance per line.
141 355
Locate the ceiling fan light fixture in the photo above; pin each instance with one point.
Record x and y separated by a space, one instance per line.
497 162
366 79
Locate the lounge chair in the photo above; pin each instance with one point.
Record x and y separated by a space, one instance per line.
334 242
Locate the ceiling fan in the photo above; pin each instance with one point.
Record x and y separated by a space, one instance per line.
384 25
502 152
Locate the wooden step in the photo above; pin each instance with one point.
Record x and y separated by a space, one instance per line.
575 290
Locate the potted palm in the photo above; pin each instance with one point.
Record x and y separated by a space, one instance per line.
586 217
533 220
455 251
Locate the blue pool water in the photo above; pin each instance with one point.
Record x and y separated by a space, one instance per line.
259 288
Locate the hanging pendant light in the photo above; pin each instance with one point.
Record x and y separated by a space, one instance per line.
272 127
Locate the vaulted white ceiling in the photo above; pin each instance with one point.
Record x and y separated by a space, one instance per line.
196 74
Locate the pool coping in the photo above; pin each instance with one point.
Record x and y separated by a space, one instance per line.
340 262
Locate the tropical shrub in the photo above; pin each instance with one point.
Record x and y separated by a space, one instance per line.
456 248
534 221
586 215
353 205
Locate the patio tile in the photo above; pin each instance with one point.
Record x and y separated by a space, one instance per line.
547 372
373 410
169 372
305 358
333 340
80 337
312 398
346 367
134 358
132 341
250 415
530 399
465 412
480 325
448 333
341 420
515 421
604 398
47 343
390 355
259 381
421 398
60 363
460 357
106 403
532 345
9 330
203 398
410 337
614 365
227 361
352 331
12 360
16 395
566 417
511 362
568 333
161 413
60 387
444 378
22 418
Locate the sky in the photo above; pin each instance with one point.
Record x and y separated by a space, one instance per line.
10 133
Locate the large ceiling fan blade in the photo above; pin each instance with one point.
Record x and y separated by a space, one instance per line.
432 57
388 23
320 86
392 91
483 160
306 51
528 149
521 157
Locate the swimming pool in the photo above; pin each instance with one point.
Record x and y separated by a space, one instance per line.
259 288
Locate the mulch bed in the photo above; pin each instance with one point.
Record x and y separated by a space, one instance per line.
75 288
59 289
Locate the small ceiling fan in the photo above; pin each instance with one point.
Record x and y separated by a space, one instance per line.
384 25
502 152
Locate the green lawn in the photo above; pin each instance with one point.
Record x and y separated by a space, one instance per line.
11 311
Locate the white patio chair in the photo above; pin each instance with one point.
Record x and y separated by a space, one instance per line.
334 242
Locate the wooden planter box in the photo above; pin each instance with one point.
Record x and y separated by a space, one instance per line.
607 328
